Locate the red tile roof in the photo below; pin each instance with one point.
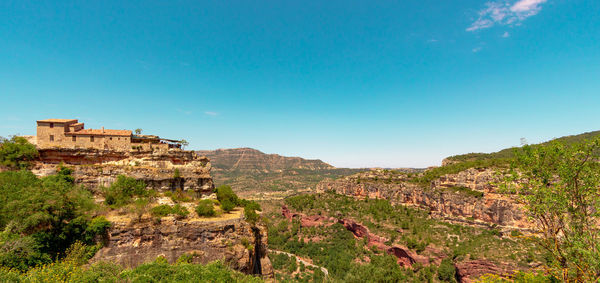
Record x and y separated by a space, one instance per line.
58 121
100 132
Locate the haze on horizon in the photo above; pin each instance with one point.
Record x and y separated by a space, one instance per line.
353 83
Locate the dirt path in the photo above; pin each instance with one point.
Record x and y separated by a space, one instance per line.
303 261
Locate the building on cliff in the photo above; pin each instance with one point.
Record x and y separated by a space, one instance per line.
70 133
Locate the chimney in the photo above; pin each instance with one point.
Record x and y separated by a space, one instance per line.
103 129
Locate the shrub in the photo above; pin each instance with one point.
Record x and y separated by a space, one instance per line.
227 205
164 210
122 191
205 208
161 210
180 211
225 192
16 153
176 173
446 271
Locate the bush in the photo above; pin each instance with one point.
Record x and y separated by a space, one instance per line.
446 271
16 153
164 210
122 191
225 192
205 208
42 217
227 205
161 210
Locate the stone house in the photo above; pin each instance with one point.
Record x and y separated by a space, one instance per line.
70 133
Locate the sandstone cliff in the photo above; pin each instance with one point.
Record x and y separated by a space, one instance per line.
94 168
470 196
233 241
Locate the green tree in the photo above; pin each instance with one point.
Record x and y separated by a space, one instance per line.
16 153
184 143
559 187
138 131
205 208
42 217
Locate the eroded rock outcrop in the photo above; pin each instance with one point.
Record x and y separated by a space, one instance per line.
404 256
483 205
233 241
467 271
175 169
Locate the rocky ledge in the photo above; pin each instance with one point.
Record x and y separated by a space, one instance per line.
175 169
470 196
233 241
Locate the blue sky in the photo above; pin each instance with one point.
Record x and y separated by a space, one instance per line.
354 83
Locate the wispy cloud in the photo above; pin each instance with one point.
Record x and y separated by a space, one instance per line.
505 34
186 112
210 113
506 13
433 40
477 49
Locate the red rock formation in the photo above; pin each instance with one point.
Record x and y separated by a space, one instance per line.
467 271
405 257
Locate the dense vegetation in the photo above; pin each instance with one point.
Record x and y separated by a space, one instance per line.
559 184
41 217
71 270
16 153
349 259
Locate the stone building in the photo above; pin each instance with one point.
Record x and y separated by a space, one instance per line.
70 133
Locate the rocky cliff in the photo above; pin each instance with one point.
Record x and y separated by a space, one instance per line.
470 196
252 159
162 171
233 241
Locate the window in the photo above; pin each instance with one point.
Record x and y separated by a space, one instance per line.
51 125
92 139
111 138
51 138
74 138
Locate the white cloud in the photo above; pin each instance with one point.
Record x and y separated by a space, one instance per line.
506 13
210 113
505 34
477 49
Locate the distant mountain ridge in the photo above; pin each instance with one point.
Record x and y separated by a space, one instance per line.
249 159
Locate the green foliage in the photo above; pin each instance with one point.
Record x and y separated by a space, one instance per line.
16 153
227 205
165 209
447 271
250 214
179 196
508 153
42 217
176 173
123 190
225 192
559 184
159 271
205 208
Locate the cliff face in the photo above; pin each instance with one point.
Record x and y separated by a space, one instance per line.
252 159
94 168
233 241
441 197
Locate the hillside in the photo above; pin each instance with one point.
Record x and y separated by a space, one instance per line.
257 175
508 152
252 159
